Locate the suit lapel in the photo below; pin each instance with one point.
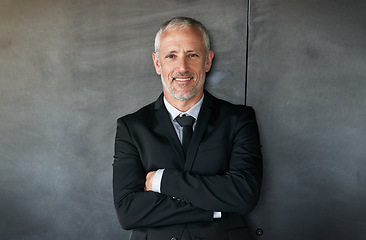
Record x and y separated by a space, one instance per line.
202 121
164 125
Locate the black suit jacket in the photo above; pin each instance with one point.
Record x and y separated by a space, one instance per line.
222 172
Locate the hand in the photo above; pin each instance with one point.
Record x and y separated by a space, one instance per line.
149 180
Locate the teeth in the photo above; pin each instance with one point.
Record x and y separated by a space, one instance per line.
182 79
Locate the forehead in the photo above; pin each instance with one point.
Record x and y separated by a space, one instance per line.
186 37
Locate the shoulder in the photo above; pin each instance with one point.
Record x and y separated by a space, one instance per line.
228 108
143 114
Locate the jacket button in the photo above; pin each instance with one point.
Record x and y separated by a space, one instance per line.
259 232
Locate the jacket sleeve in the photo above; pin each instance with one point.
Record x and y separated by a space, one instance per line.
135 207
237 190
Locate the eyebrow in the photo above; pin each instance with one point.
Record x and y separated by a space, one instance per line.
189 51
173 51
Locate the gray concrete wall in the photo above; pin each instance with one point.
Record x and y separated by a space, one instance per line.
69 69
307 81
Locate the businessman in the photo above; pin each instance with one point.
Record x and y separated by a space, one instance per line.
187 166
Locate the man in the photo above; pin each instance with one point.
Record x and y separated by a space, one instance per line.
168 188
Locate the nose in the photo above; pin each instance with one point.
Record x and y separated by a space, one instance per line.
182 64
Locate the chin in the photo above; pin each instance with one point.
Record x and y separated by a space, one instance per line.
185 96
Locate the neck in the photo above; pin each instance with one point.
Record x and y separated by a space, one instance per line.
185 105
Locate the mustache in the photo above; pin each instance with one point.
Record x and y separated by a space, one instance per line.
179 75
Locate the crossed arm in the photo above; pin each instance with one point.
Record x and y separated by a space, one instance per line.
237 190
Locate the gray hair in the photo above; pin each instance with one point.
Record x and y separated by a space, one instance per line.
180 23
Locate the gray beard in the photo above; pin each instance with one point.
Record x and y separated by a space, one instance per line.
186 97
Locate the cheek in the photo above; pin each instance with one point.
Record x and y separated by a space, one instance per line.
165 69
165 73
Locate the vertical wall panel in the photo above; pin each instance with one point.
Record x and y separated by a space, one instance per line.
68 70
307 81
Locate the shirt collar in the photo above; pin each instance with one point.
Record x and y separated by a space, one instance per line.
193 111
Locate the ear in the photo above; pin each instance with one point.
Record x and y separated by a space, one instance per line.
156 63
210 56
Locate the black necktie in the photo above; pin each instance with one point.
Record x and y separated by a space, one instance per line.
186 122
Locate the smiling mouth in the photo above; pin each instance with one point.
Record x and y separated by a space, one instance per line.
182 79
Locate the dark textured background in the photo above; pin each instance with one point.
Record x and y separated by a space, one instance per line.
69 69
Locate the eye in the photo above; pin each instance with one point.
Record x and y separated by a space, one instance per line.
193 55
170 56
